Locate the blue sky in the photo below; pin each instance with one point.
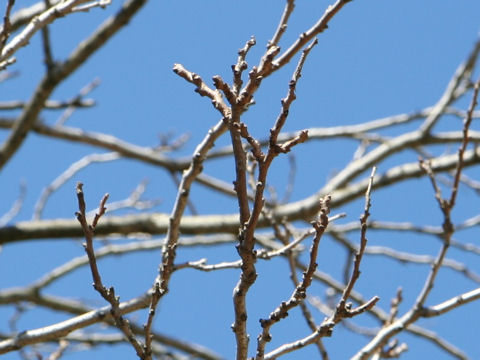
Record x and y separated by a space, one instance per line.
378 58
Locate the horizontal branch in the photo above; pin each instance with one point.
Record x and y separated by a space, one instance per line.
63 328
157 223
86 318
49 104
150 156
105 141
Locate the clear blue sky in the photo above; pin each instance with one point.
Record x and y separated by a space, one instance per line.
377 58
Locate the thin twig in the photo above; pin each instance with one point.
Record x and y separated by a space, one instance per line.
72 170
342 310
47 46
16 206
240 67
74 103
300 291
282 25
107 294
308 35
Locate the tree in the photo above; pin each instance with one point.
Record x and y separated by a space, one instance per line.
284 238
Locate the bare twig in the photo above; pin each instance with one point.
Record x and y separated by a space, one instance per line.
282 25
67 175
342 310
47 47
300 291
74 103
107 294
308 35
203 89
240 67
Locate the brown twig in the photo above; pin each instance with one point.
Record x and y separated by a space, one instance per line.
342 310
248 220
203 89
284 232
300 291
307 36
255 77
241 66
188 177
282 25
47 46
107 294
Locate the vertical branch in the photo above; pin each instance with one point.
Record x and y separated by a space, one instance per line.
241 66
108 294
47 49
189 175
181 201
461 151
248 221
342 310
240 158
245 247
156 296
300 292
284 236
361 250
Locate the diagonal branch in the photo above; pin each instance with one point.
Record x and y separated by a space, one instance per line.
52 79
